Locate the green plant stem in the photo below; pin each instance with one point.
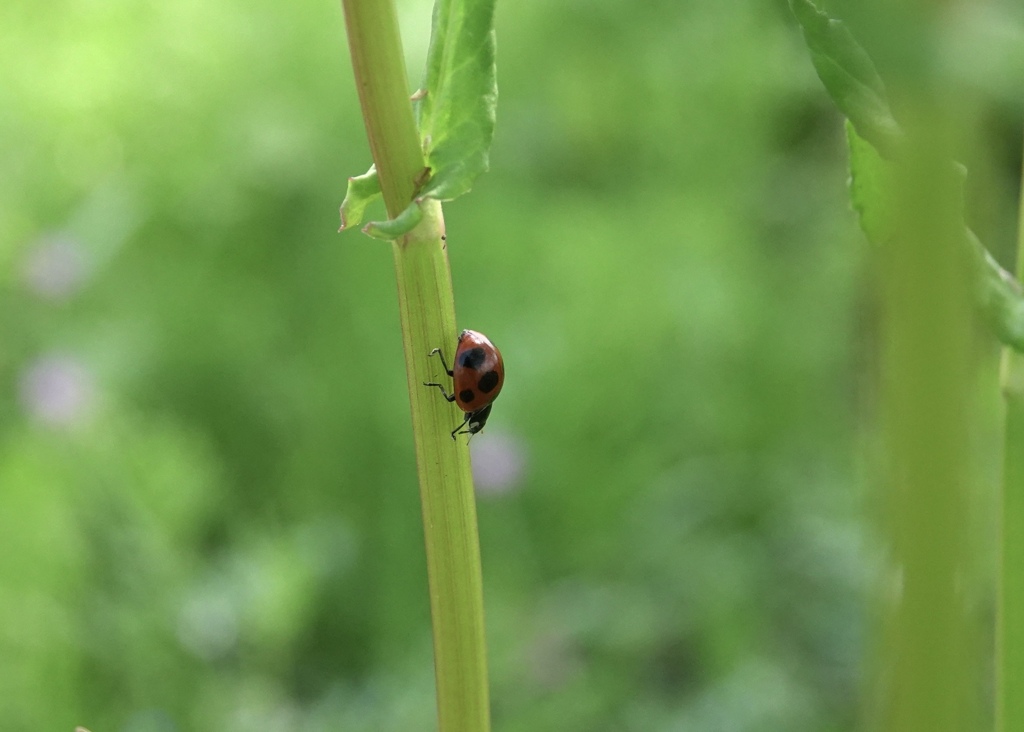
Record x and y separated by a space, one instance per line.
1010 607
427 311
925 677
379 68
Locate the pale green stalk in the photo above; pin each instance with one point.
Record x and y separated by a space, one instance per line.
925 680
1010 606
427 311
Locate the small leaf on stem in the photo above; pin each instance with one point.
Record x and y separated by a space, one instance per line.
362 191
849 75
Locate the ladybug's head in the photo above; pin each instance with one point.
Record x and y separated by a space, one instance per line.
477 419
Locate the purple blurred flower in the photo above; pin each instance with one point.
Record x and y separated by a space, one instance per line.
56 390
498 463
55 267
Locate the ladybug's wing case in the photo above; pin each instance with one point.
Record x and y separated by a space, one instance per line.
479 371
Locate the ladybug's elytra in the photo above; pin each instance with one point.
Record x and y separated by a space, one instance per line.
477 379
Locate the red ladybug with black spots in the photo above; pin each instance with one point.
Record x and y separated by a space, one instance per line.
477 378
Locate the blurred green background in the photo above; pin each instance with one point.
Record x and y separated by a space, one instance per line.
210 516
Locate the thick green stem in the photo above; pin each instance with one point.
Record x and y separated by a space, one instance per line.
926 675
427 312
1010 608
379 67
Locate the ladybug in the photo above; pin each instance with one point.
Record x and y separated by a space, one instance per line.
477 379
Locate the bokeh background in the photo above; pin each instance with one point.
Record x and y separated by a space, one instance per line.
209 516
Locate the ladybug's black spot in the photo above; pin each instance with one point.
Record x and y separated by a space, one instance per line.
467 395
487 382
472 358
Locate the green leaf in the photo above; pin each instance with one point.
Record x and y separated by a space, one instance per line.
393 228
998 296
457 109
362 190
870 183
850 77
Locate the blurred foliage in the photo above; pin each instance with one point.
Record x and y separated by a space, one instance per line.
211 519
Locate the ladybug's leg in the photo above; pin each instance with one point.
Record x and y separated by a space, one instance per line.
449 397
448 370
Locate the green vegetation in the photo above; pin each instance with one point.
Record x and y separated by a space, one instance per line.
211 518
932 269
